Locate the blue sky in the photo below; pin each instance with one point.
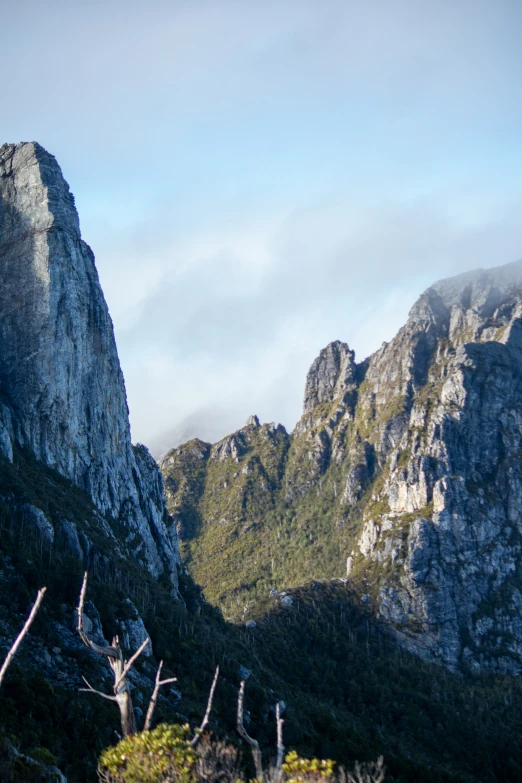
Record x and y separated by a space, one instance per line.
259 178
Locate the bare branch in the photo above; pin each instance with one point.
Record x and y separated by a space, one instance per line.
254 744
128 664
280 746
90 689
373 772
154 697
121 688
108 652
194 741
19 639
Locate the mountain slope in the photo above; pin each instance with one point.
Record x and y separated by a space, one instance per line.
75 495
404 472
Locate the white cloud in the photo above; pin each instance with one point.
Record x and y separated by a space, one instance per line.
234 332
259 178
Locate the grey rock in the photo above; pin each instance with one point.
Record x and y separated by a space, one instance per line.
412 458
453 460
59 370
250 624
132 629
37 520
91 624
47 773
175 695
244 673
6 432
287 600
69 532
233 446
331 376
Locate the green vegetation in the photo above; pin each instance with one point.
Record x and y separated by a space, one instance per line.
165 755
151 757
350 693
276 515
297 768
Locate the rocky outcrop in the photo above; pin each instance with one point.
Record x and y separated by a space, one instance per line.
405 470
450 537
248 465
220 497
132 629
331 376
62 389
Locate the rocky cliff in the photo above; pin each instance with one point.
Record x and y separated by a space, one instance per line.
404 476
62 390
262 509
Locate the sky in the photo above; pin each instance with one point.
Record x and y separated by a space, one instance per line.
259 178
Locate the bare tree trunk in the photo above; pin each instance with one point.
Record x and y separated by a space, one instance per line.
154 697
280 745
254 744
206 717
19 639
119 666
128 720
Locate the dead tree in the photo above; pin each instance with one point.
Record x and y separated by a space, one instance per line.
120 669
373 772
254 744
121 688
280 746
195 739
19 639
154 697
275 773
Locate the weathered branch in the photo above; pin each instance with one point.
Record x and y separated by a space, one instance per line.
254 744
108 652
374 772
194 741
90 689
19 639
128 664
154 697
280 746
120 669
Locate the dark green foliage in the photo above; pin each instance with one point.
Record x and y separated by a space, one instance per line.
350 693
355 695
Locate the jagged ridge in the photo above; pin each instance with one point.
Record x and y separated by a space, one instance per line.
405 469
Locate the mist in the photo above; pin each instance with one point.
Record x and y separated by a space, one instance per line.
259 179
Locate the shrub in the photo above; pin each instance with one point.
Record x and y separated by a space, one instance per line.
217 761
297 769
158 756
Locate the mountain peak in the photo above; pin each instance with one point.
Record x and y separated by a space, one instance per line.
59 369
331 375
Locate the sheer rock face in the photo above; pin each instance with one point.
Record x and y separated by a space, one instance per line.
331 376
450 539
410 464
435 441
63 394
